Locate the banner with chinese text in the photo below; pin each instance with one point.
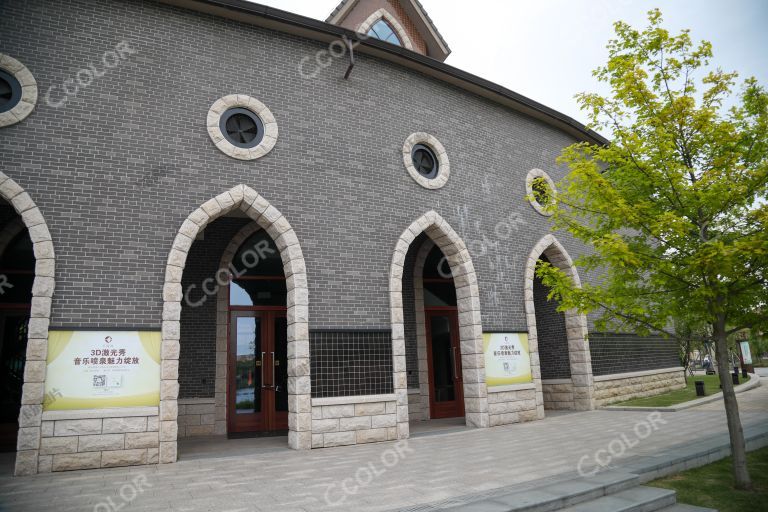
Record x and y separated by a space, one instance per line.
507 360
101 369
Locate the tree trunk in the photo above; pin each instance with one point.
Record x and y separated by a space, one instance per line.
738 445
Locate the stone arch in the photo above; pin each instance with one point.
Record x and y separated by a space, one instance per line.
270 219
470 322
383 14
582 382
30 415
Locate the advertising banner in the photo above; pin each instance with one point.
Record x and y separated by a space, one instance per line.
101 369
507 360
746 354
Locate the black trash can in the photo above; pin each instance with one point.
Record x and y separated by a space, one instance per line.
700 388
735 377
744 372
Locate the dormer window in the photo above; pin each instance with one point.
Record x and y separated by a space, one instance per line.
382 30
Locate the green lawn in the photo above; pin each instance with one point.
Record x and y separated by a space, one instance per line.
711 486
711 386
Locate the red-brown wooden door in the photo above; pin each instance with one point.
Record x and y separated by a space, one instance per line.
446 389
257 397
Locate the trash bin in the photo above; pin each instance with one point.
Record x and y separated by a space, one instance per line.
700 388
744 372
735 377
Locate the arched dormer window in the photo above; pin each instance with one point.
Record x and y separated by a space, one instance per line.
384 31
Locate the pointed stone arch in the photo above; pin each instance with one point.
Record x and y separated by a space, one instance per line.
270 219
30 415
470 322
582 381
383 14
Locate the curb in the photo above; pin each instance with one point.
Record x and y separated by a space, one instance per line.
754 381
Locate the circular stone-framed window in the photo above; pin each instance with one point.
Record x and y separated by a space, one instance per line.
540 189
18 91
242 127
426 161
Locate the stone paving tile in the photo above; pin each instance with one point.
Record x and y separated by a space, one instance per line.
433 469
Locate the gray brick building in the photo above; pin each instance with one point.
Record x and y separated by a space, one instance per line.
151 148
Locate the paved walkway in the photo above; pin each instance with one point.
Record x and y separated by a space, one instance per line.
379 477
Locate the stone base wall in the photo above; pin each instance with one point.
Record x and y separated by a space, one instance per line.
624 386
513 404
416 406
354 420
91 439
197 417
558 394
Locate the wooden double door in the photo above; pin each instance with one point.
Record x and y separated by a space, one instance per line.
258 371
446 384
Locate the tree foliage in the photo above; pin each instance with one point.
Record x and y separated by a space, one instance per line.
672 207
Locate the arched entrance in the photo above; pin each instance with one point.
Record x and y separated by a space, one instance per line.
299 416
461 331
27 226
559 338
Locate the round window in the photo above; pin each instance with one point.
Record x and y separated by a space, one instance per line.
10 91
242 127
541 191
425 161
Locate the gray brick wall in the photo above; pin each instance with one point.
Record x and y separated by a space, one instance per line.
622 353
553 340
118 168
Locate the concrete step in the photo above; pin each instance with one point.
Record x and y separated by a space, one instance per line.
686 508
637 499
554 496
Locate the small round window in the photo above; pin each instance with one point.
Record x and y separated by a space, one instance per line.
10 91
424 161
541 191
242 127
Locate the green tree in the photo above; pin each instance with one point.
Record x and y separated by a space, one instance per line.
673 208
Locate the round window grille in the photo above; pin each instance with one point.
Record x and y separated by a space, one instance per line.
10 91
241 127
541 191
424 161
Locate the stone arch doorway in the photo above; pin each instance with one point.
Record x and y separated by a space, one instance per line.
469 326
560 339
244 199
26 227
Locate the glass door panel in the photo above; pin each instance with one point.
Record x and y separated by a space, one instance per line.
280 364
248 365
442 359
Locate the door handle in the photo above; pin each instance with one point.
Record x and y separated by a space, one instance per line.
453 364
262 370
273 369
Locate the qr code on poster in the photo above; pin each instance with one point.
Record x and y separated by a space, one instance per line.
99 381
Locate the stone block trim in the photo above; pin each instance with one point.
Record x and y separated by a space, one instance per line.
42 293
471 331
575 323
199 417
73 440
444 165
248 201
558 394
242 101
28 91
505 407
355 422
625 386
389 18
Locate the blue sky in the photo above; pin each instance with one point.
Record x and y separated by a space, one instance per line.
546 49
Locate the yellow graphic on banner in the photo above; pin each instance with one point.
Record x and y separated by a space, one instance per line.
507 359
102 369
